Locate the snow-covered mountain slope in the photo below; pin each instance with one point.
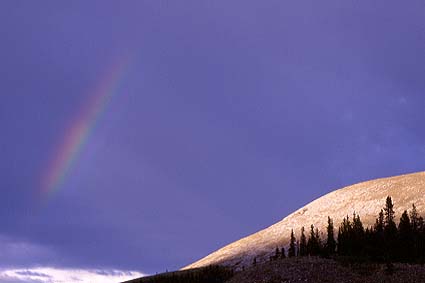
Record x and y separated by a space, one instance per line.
366 199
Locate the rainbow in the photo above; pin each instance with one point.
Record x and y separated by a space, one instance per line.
77 133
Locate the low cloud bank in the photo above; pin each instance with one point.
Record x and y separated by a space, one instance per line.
57 275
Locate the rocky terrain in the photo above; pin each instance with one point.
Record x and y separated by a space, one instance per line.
366 199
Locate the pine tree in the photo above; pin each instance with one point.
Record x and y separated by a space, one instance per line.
357 236
405 238
313 243
277 253
310 241
357 224
330 242
421 240
318 241
303 243
282 253
369 245
390 230
379 225
340 249
389 212
344 237
414 218
297 248
292 251
378 245
415 225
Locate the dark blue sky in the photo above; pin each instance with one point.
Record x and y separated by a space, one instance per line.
231 115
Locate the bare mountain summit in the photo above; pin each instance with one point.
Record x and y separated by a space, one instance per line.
366 199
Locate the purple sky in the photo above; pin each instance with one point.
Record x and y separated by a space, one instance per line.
231 115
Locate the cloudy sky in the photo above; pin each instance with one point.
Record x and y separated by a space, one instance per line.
139 136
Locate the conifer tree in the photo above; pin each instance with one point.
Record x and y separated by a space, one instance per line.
297 248
421 239
310 241
369 246
390 230
421 224
378 245
340 241
414 218
330 242
292 251
357 224
318 241
415 225
405 238
357 236
313 243
389 212
344 237
379 225
283 253
303 243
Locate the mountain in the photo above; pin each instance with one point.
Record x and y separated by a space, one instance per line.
365 199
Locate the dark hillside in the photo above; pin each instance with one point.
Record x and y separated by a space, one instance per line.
209 274
318 270
299 269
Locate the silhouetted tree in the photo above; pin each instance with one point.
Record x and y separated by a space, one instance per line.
297 248
389 211
358 237
369 243
283 253
291 251
415 222
303 243
379 225
330 245
414 218
390 230
313 243
377 244
310 241
318 241
405 238
344 237
418 232
277 253
421 239
385 241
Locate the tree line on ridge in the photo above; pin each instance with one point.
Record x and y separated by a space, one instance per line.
384 241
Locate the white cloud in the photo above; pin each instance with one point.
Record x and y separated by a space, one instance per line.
17 253
56 275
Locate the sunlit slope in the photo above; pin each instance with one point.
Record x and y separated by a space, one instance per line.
366 199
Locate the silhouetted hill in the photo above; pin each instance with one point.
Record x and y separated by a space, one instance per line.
318 270
300 269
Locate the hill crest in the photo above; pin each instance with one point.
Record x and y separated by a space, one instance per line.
365 198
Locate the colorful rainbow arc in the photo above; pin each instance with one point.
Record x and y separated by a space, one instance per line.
77 134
